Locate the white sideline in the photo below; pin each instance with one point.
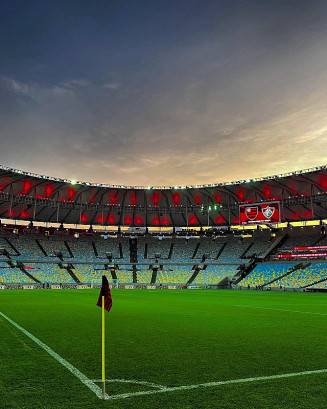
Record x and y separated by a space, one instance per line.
219 383
280 309
87 382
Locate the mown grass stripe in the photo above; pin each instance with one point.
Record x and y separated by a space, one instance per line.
84 379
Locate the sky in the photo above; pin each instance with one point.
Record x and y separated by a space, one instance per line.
163 92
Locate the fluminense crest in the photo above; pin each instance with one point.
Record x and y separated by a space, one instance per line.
268 211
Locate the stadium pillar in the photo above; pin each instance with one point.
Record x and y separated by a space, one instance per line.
133 256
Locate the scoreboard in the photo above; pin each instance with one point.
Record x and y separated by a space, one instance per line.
260 213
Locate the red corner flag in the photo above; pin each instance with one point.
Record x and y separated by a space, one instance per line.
105 292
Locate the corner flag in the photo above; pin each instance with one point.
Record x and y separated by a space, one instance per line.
106 293
105 302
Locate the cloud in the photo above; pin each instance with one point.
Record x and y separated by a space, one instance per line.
111 85
198 112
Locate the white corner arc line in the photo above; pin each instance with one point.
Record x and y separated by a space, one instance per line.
219 383
134 381
280 309
84 379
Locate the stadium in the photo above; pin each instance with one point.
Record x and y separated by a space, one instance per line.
163 204
216 271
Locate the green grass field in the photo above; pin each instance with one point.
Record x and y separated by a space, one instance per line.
166 337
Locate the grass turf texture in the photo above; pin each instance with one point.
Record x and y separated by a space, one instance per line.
172 338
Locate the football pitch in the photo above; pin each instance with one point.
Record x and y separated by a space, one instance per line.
164 349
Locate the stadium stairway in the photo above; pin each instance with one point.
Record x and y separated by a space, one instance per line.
95 250
193 276
196 250
243 255
154 276
22 268
69 249
221 250
41 248
315 283
319 240
113 273
171 251
278 241
243 271
69 268
73 275
12 247
291 270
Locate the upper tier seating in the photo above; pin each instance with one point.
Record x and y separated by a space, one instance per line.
299 241
183 251
233 250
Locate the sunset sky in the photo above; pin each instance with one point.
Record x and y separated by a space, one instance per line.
163 92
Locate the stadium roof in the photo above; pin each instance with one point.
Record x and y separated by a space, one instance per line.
29 196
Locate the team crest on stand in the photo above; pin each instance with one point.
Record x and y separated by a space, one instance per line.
268 212
251 212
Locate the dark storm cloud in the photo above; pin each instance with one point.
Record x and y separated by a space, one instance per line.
163 93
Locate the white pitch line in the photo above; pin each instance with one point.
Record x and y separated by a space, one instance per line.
219 383
280 309
136 382
87 382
